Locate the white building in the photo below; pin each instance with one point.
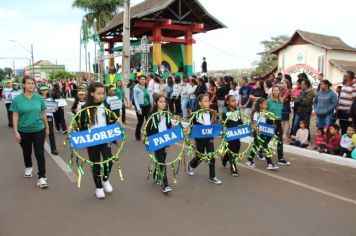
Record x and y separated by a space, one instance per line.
316 53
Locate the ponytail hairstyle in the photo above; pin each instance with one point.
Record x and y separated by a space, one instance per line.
90 100
200 97
228 99
258 106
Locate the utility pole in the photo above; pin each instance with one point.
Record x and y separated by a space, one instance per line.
33 62
89 65
126 43
13 68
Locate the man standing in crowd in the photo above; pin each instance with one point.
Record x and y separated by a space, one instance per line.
347 96
320 78
245 102
223 90
304 105
204 67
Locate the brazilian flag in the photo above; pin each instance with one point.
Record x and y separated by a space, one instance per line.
111 79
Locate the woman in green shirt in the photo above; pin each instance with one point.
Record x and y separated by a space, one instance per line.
275 106
120 93
31 127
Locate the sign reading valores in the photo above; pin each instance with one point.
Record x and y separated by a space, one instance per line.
106 134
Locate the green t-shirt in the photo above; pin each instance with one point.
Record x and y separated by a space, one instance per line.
275 108
146 97
120 93
29 110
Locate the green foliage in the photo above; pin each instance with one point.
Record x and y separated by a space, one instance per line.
8 71
56 75
101 10
268 60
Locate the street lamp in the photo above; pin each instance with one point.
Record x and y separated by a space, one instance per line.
30 51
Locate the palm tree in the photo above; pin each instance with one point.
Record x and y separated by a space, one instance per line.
101 10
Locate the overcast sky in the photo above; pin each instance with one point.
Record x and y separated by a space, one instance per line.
53 29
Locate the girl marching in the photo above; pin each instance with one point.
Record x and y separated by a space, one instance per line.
231 120
204 144
52 140
158 124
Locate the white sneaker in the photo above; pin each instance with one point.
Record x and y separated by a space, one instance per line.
42 183
190 170
344 155
107 186
215 180
250 164
167 189
272 167
28 172
99 192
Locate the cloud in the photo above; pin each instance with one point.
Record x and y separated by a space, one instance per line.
10 14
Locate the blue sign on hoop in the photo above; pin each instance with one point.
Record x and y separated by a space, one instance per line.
206 131
266 129
238 132
165 138
106 134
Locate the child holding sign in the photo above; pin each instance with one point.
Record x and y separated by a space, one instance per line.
79 102
260 143
96 117
158 124
114 102
50 109
6 94
233 121
204 144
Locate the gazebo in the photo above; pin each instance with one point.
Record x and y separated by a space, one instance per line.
163 21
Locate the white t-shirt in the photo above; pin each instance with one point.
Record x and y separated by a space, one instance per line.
101 117
162 126
16 93
235 94
80 105
259 117
6 93
156 88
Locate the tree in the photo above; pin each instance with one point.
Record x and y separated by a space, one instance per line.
8 71
55 75
268 60
101 10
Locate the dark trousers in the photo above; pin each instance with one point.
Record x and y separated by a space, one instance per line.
279 132
203 145
343 120
59 119
36 139
123 117
260 146
52 139
171 105
345 151
234 147
9 113
140 119
94 156
177 106
161 155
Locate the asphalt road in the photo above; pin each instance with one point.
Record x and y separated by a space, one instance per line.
310 197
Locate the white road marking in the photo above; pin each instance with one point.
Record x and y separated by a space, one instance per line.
294 182
62 165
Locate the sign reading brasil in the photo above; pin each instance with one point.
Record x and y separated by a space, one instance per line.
238 132
106 134
266 129
206 131
165 138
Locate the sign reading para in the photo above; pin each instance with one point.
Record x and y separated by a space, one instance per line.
205 131
238 132
266 129
106 134
165 138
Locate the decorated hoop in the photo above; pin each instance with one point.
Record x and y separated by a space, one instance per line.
272 146
156 166
246 121
191 147
80 161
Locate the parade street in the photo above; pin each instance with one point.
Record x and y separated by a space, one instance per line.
310 197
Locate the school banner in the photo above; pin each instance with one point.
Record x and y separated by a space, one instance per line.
165 138
266 129
106 134
205 131
238 132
